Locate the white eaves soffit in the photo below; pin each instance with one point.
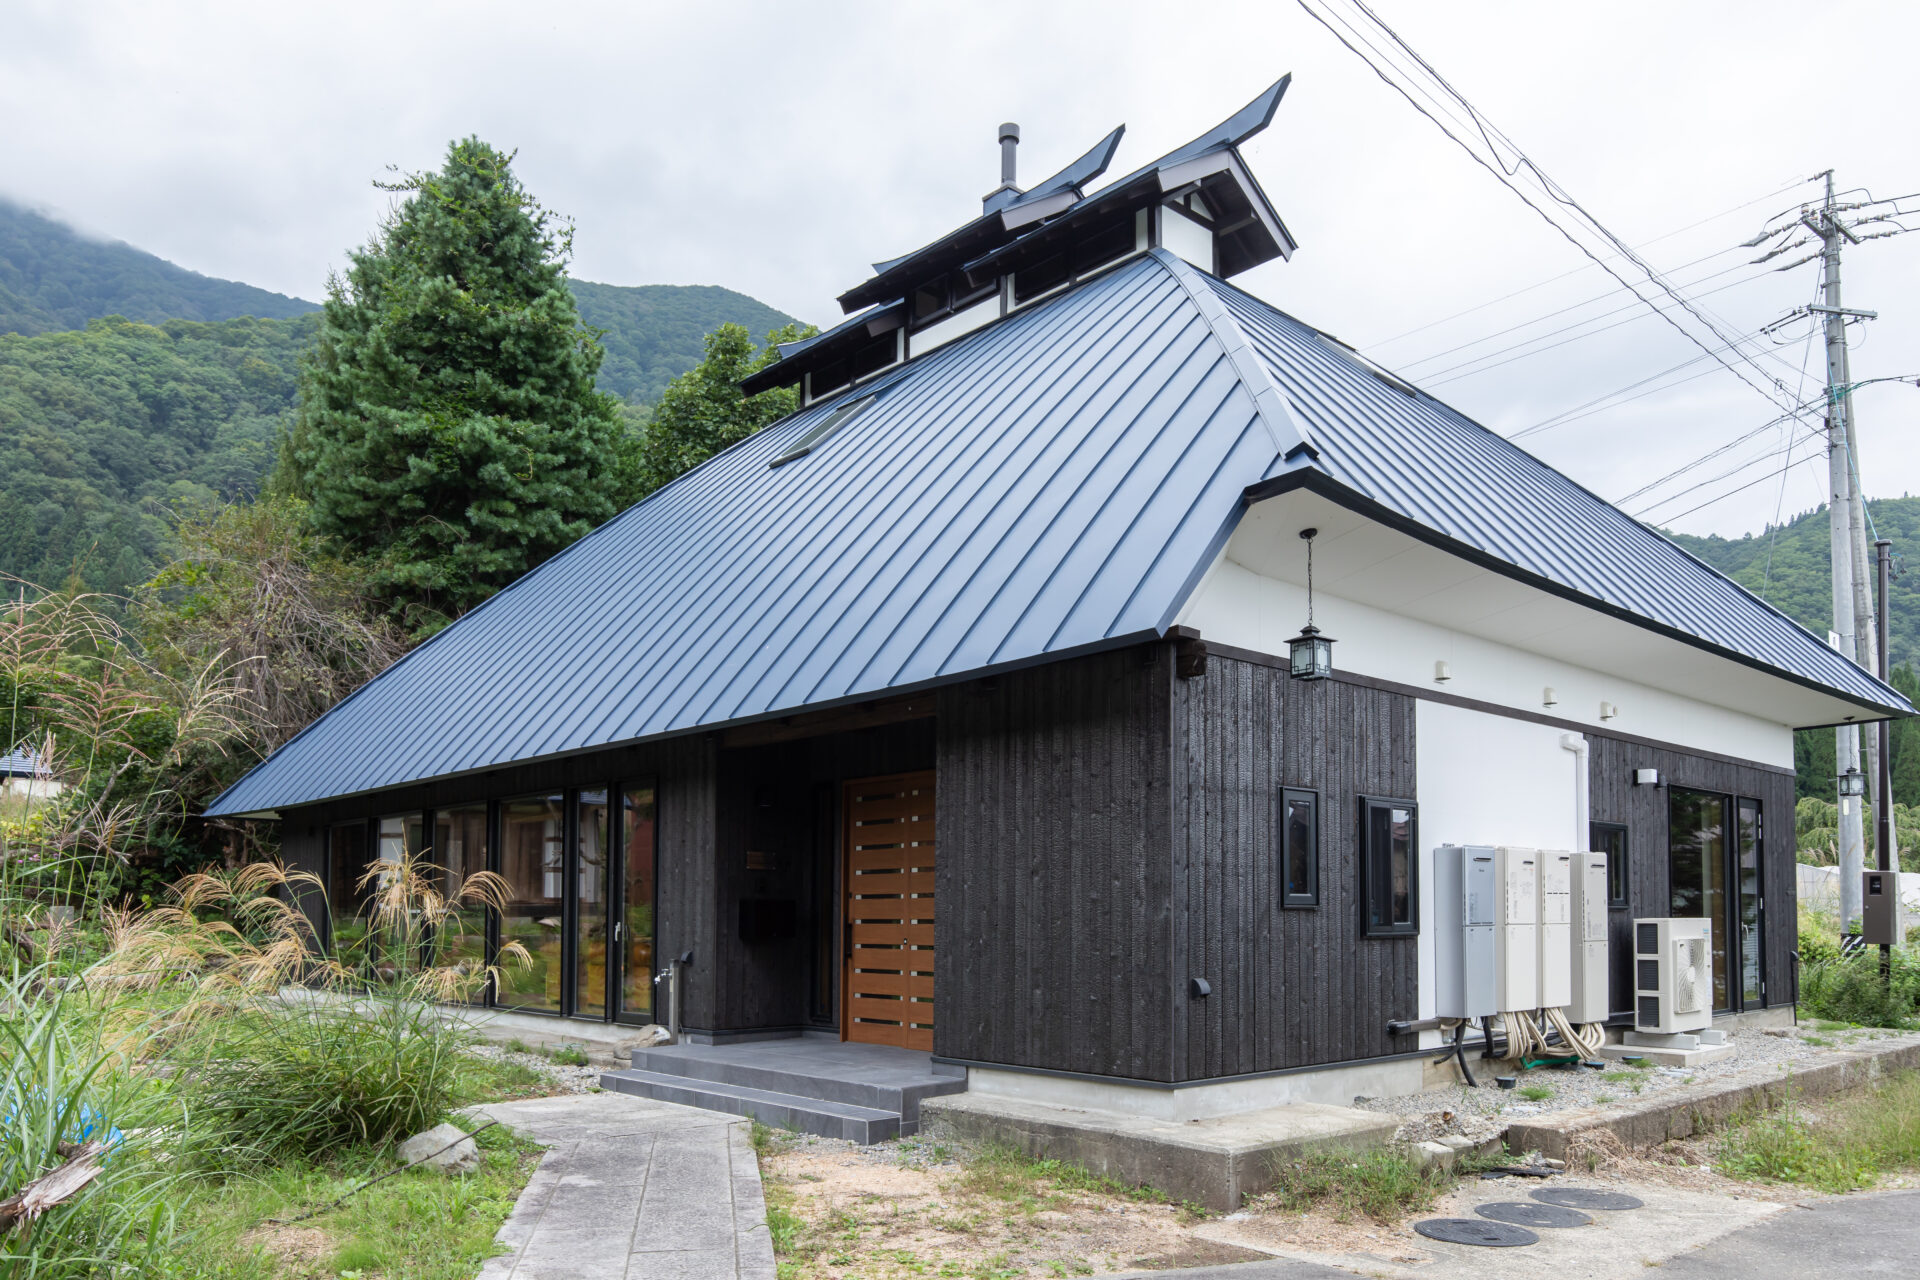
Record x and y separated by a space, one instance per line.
1395 605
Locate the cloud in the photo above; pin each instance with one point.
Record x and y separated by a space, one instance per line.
781 149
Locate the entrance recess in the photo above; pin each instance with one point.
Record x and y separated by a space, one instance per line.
888 990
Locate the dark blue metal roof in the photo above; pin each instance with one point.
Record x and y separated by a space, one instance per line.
1051 483
20 763
1428 464
1054 483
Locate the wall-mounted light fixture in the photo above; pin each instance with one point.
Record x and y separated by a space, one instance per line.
1646 777
1442 673
1608 711
1852 783
1547 699
1310 654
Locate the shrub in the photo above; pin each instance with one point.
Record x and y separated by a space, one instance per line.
1851 989
312 1074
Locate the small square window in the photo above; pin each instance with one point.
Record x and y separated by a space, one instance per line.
1389 868
1299 848
1610 838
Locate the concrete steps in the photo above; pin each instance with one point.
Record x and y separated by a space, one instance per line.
821 1116
863 1093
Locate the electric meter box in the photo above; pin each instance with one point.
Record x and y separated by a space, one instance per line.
1465 907
1880 915
1590 977
1555 934
1516 944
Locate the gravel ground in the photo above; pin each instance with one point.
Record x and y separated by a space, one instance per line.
565 1079
1483 1112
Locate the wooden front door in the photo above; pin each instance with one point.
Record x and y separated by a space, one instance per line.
888 991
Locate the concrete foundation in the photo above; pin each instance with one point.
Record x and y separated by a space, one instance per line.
1667 1057
1690 1109
1214 1161
1325 1087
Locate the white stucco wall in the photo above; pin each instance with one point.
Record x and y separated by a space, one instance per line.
1237 606
1488 779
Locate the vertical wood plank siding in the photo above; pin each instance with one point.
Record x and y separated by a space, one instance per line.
1290 987
1053 879
1614 798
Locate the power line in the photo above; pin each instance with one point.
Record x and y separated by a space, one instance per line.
1497 165
1431 324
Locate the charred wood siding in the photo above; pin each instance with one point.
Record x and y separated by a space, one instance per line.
1614 798
769 802
1053 827
683 770
1290 987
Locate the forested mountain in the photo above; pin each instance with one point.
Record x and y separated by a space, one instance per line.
1787 567
654 332
52 277
129 385
103 429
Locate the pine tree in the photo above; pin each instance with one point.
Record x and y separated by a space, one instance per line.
449 432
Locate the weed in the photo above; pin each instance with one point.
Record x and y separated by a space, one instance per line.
517 1045
1636 1064
1380 1183
762 1139
1000 1266
1536 1093
568 1055
784 1226
1856 1139
1820 1041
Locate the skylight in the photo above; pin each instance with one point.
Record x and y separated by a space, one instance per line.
1393 380
822 430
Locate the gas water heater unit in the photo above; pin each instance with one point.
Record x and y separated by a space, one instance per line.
1516 944
1464 908
1556 928
1590 963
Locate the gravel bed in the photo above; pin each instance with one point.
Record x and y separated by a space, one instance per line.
564 1079
914 1152
1481 1113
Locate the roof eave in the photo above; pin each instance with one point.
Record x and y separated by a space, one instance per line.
1314 480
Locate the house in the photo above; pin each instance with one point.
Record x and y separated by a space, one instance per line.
954 713
22 774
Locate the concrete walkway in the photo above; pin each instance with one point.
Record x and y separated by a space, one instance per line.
631 1189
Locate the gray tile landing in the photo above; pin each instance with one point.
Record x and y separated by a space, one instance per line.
633 1189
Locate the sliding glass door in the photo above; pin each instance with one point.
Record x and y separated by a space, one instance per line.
1749 842
1715 859
533 833
634 932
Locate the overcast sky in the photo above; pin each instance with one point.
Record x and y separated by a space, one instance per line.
780 149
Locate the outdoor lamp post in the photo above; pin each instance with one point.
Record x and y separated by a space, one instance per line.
1310 654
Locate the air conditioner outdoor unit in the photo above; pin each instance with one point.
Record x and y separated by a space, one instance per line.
1672 975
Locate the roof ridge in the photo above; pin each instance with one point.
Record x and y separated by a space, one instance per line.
1269 402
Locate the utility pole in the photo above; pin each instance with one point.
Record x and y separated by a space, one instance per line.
1842 541
1883 780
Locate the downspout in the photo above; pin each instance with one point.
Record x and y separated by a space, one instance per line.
1577 743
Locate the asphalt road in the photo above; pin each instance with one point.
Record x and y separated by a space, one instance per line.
1864 1235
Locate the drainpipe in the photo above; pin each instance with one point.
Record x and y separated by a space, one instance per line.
1577 743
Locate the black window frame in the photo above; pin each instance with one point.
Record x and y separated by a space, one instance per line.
1410 927
1288 899
956 295
1620 869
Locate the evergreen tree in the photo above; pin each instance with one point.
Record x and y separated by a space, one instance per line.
702 411
449 433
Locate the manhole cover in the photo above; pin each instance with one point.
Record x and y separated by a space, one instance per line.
1525 1213
1586 1198
1493 1235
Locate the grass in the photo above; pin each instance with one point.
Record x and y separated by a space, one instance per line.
421 1225
1380 1183
1848 1146
1031 1184
1536 1093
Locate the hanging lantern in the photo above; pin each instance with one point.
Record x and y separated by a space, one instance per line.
1853 783
1310 654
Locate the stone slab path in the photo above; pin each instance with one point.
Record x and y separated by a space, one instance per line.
633 1189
